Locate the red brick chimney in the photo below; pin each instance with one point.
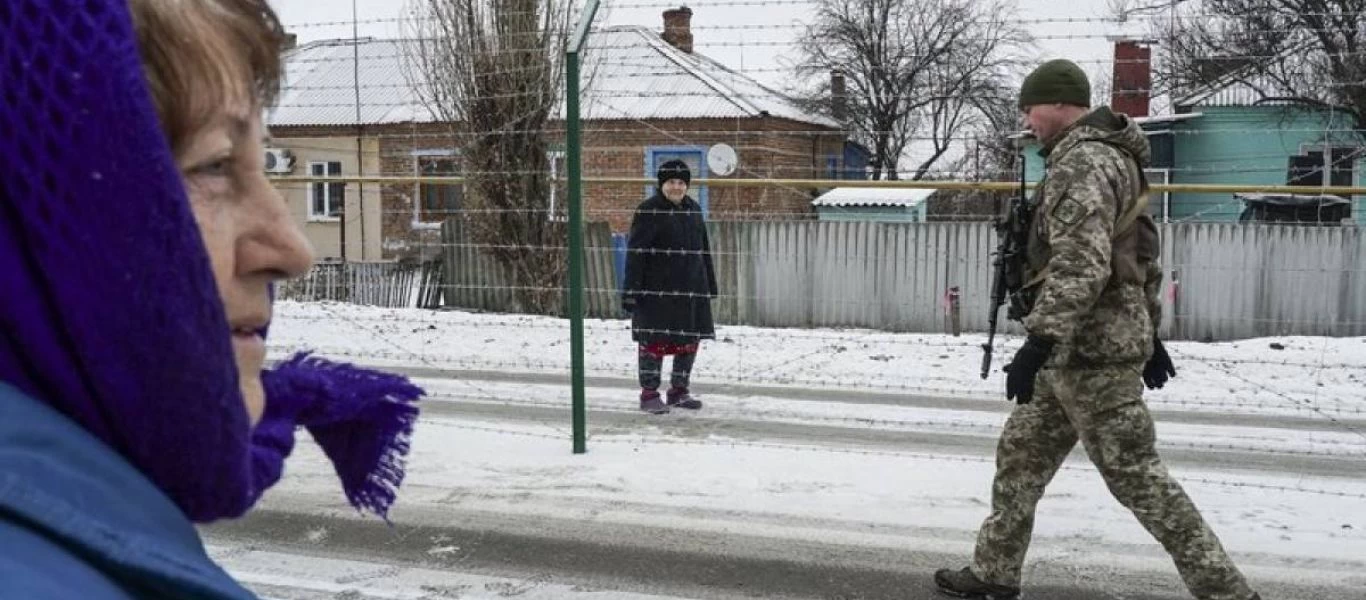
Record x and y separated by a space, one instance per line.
839 96
1131 88
678 28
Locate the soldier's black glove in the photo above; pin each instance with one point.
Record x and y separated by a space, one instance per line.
1024 367
1159 367
628 304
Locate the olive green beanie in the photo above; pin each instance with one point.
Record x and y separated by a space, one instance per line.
1057 81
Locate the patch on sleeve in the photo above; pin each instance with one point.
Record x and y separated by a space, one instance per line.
1069 211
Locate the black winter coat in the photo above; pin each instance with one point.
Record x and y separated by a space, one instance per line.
669 273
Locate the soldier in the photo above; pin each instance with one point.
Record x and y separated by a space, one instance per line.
1089 302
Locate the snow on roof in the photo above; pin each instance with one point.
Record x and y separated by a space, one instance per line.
632 74
319 85
859 196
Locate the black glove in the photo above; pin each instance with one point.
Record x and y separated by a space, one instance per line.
1022 369
1159 367
628 304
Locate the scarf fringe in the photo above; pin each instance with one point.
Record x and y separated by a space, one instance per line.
361 418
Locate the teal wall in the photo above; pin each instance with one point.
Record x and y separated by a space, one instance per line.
1247 145
883 214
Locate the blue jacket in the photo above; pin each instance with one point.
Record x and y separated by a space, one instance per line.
78 522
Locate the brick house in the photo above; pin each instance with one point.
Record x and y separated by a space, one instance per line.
649 99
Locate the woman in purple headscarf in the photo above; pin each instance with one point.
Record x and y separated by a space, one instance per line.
139 243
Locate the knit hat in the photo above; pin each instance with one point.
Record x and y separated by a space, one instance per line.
1057 81
674 169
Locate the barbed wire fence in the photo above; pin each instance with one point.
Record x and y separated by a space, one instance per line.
827 279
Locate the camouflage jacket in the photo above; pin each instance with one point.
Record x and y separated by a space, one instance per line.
1092 257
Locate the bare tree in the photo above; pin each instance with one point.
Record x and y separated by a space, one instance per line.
1308 51
992 153
916 70
492 70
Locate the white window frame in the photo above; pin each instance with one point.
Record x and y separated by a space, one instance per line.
417 156
328 201
555 178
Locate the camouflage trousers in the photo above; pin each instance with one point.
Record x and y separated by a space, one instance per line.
1103 407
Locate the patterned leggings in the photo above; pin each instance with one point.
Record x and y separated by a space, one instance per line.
651 367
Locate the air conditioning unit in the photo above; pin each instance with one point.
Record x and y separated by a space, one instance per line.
279 160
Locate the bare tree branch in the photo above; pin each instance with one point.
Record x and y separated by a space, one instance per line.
491 69
913 68
1308 50
1127 9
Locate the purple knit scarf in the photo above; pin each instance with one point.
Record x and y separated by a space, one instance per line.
108 307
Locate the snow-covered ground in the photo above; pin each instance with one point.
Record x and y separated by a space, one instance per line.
850 469
1321 378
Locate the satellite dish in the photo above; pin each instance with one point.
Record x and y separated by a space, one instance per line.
722 160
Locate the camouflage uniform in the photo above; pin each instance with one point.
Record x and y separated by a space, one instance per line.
1095 294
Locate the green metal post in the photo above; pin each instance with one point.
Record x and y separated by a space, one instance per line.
574 156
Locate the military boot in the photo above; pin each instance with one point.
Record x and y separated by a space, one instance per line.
964 584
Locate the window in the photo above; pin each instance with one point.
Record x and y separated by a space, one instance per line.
325 200
1310 167
694 157
1159 204
1162 145
436 201
559 185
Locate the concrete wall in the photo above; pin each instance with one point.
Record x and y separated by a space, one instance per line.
363 203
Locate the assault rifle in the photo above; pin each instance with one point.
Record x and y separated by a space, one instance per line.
1012 234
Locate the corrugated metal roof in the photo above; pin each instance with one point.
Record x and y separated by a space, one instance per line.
634 74
1240 87
319 85
855 196
1237 92
1231 94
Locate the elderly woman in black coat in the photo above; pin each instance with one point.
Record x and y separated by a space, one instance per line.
670 282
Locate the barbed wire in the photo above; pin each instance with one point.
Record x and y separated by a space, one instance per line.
1333 406
874 257
1307 404
1089 20
952 388
620 327
409 355
966 180
799 215
775 44
603 128
969 302
846 342
1350 449
661 440
778 216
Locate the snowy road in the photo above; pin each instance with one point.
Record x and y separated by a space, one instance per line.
765 496
827 464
